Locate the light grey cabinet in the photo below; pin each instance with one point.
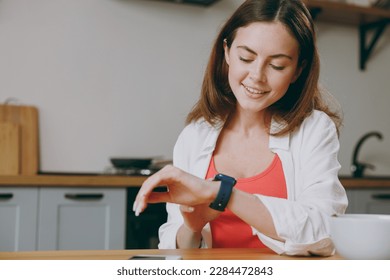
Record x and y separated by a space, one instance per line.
369 201
54 218
18 218
82 218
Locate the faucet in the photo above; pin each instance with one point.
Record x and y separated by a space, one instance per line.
357 167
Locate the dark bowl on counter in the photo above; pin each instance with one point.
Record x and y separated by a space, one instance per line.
129 163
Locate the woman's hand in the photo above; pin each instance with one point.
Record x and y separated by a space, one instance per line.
196 217
183 188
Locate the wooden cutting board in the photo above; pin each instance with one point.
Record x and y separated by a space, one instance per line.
9 148
26 118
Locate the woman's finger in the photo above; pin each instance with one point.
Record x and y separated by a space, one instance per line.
162 177
157 197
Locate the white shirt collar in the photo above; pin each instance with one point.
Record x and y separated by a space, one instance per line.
275 142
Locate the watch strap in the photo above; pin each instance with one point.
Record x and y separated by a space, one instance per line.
224 193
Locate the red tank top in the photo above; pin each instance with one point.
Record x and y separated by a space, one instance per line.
229 231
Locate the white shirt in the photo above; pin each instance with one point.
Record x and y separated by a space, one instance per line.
314 192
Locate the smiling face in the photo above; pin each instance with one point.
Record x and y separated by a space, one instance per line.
263 62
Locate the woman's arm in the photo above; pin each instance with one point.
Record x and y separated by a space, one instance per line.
187 238
195 194
252 211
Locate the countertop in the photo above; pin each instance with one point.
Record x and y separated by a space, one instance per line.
91 180
71 181
187 254
366 182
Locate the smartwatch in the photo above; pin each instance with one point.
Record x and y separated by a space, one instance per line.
224 193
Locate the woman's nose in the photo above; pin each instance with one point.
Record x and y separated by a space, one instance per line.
258 74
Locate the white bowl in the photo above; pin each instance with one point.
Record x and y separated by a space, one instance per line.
361 236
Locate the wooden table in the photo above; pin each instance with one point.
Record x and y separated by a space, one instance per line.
187 254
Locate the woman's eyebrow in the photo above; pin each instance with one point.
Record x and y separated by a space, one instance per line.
247 49
280 55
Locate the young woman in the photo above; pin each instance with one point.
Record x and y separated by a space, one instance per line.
262 122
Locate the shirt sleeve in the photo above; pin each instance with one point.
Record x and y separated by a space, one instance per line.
303 221
168 231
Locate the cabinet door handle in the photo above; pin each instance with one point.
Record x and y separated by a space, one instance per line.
84 196
6 196
382 196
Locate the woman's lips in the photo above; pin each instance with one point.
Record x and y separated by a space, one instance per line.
255 91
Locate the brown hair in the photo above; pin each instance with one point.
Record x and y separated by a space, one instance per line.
217 101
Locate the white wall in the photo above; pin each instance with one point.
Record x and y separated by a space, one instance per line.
364 95
117 77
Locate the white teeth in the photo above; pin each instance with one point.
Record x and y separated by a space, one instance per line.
251 90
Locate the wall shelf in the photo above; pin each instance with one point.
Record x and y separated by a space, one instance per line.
368 19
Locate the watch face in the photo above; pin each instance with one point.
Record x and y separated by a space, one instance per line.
223 177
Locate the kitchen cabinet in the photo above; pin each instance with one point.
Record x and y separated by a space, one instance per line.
81 219
369 200
79 216
55 218
18 218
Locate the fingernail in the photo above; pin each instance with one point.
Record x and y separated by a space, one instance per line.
134 206
138 210
190 209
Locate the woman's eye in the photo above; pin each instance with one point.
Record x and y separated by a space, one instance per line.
277 67
245 59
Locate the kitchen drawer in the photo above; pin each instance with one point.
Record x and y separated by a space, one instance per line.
18 218
82 219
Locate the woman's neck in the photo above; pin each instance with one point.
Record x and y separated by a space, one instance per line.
248 123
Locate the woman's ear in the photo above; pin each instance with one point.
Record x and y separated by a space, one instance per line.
226 49
298 72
